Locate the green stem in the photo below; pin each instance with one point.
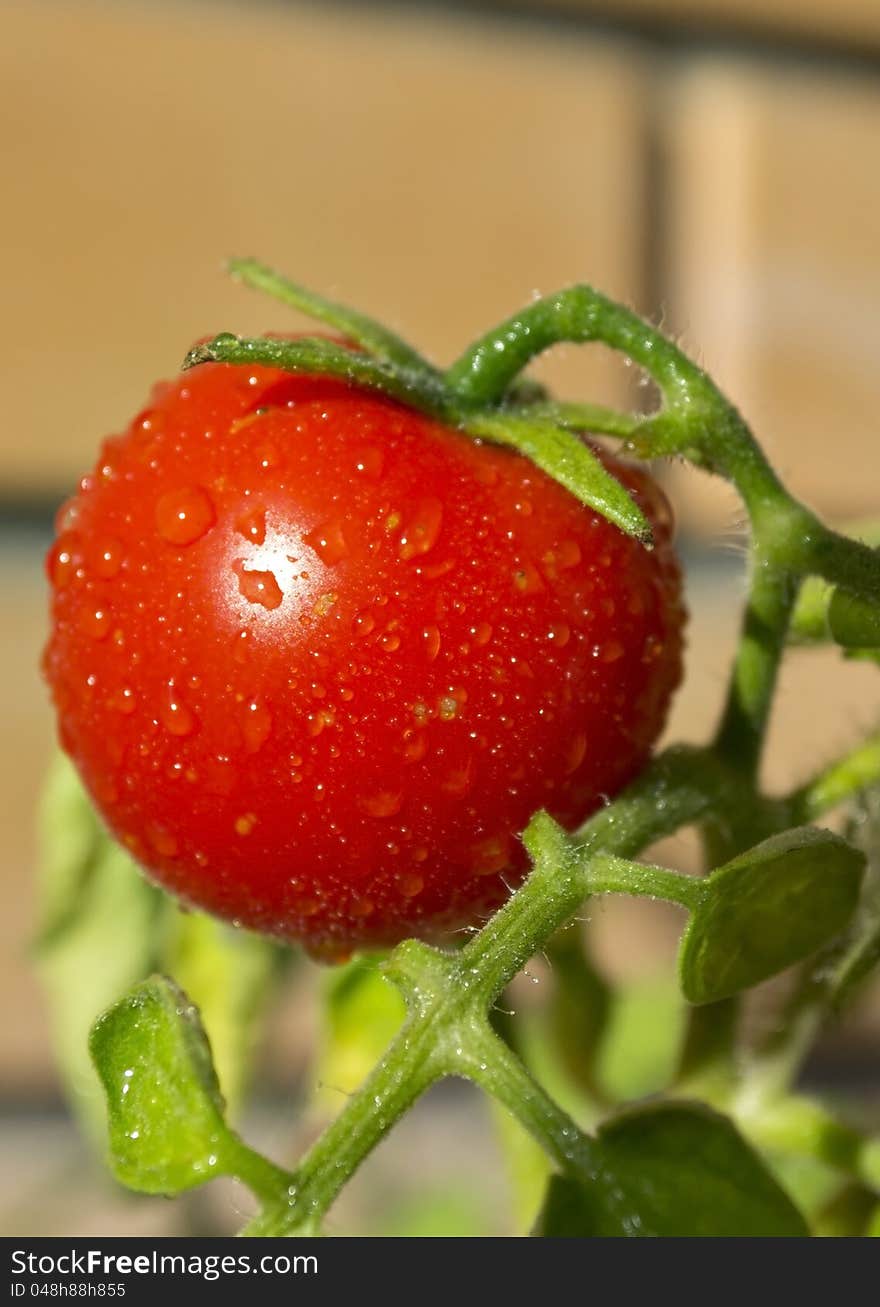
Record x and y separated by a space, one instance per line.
697 419
612 875
743 725
484 373
264 1179
819 551
809 623
404 1073
496 1069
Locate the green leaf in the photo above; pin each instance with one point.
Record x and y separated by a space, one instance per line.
569 460
569 1211
766 910
672 1170
166 1113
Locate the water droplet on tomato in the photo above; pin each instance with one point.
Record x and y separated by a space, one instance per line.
422 529
611 651
527 579
490 855
252 525
105 558
255 723
431 642
436 570
391 640
245 823
184 515
64 558
569 554
317 721
575 753
95 623
411 886
328 541
163 842
560 634
123 701
415 745
459 781
174 714
362 907
386 803
369 461
258 587
363 624
482 633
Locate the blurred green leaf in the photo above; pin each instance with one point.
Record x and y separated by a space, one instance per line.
102 926
640 1045
362 1013
527 1165
449 1212
853 622
672 1170
767 909
165 1110
229 974
579 1007
848 1215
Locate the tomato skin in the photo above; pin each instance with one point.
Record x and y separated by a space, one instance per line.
318 658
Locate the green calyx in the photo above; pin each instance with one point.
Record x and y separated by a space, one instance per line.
514 412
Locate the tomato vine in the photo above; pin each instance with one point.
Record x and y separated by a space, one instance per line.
780 893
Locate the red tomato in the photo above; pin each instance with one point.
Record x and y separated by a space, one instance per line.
318 658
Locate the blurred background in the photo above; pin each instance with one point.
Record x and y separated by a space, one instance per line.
711 162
